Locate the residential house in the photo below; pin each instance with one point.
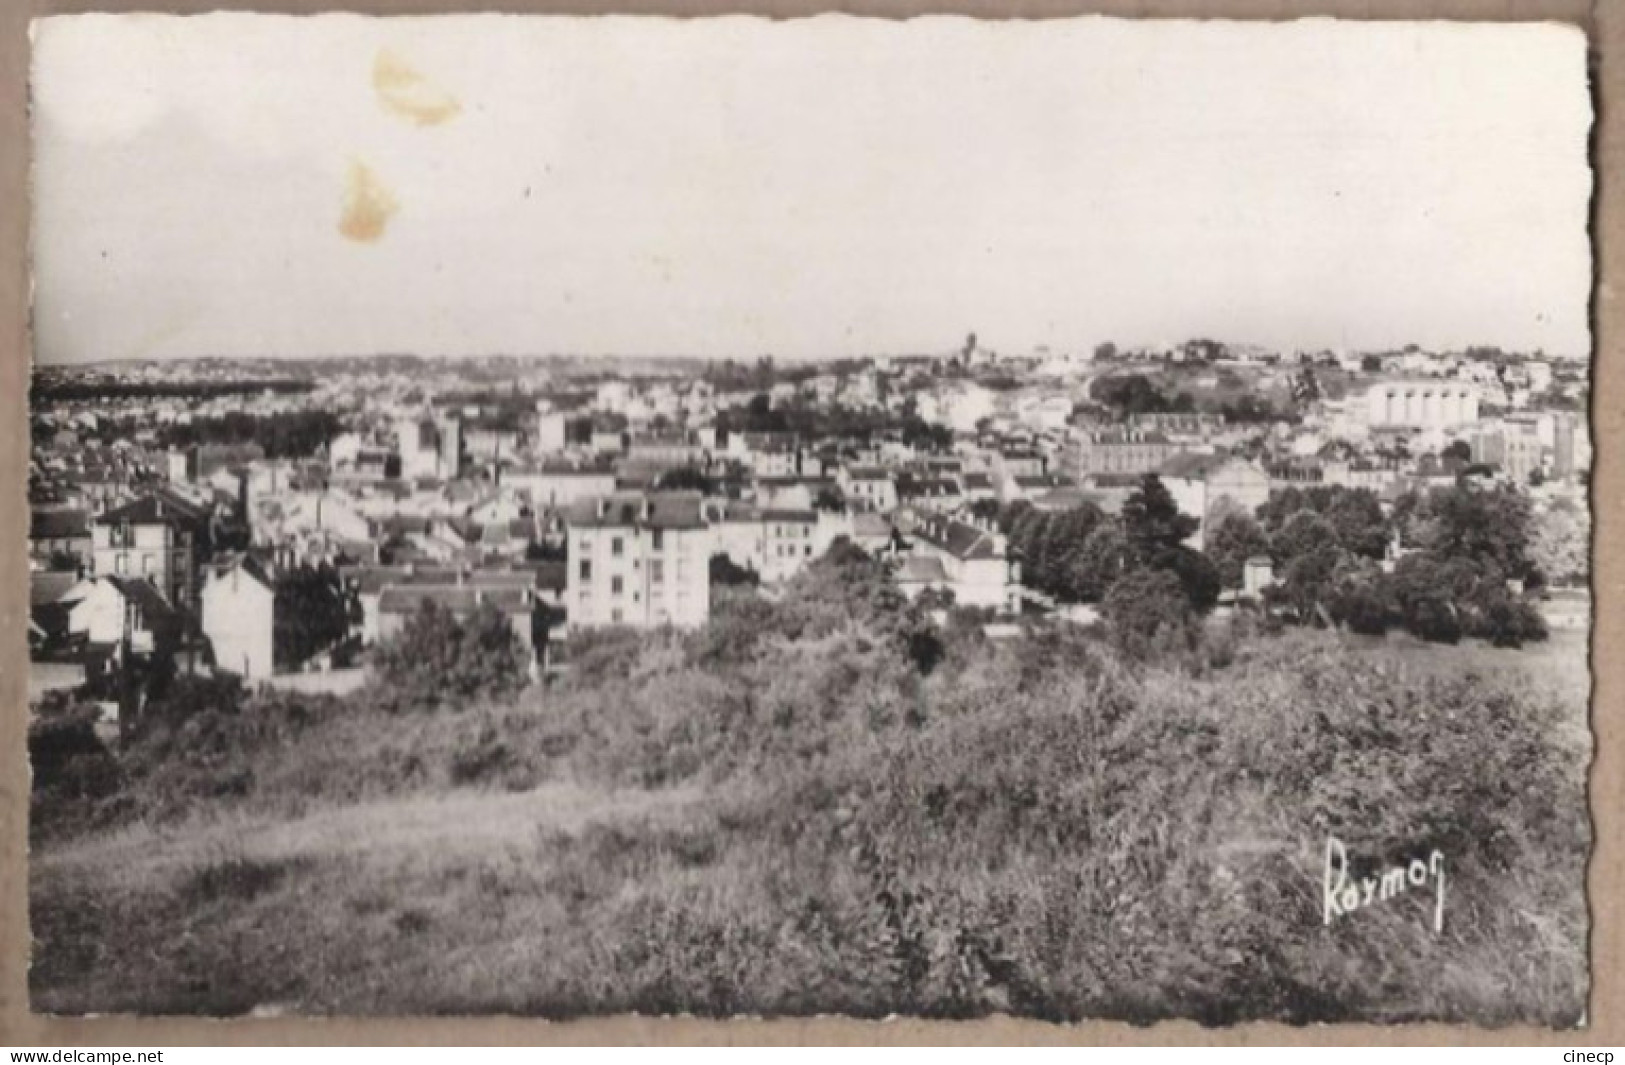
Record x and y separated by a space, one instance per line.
975 561
868 488
159 538
1206 486
239 617
60 535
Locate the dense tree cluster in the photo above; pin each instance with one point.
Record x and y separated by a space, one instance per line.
286 434
439 659
1465 548
81 390
1129 394
728 573
313 612
1083 555
833 421
1465 551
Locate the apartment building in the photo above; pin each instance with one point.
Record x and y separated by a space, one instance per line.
1119 451
158 538
639 559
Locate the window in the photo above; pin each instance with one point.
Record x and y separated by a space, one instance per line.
121 564
586 569
659 536
146 565
616 546
615 585
615 616
657 571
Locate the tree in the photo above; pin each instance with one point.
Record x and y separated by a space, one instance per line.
685 479
1197 576
1460 450
312 613
1304 533
1561 545
1355 515
1152 521
1371 364
1482 524
440 660
1365 609
1307 584
1143 605
1433 619
726 572
1236 538
830 498
1098 564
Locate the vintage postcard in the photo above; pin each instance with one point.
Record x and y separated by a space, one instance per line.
564 517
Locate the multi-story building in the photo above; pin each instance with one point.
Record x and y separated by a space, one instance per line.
868 488
1117 451
1513 445
429 449
976 563
59 535
559 484
239 618
1421 404
639 559
159 538
1205 486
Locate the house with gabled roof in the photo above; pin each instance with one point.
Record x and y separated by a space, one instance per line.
975 559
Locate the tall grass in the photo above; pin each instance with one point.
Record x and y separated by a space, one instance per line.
783 815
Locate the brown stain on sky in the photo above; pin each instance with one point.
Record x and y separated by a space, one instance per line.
405 92
368 205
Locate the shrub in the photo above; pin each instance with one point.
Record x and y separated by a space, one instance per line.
1433 619
440 660
1144 605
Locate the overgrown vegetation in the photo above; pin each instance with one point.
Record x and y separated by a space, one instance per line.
829 804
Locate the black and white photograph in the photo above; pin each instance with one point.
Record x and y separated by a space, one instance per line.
565 517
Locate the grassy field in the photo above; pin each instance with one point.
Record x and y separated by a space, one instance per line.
783 817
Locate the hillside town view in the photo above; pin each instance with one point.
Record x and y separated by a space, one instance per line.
326 593
1066 519
274 522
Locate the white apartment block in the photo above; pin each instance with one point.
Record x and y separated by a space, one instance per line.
1423 404
641 560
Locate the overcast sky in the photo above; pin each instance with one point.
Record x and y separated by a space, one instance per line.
248 185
